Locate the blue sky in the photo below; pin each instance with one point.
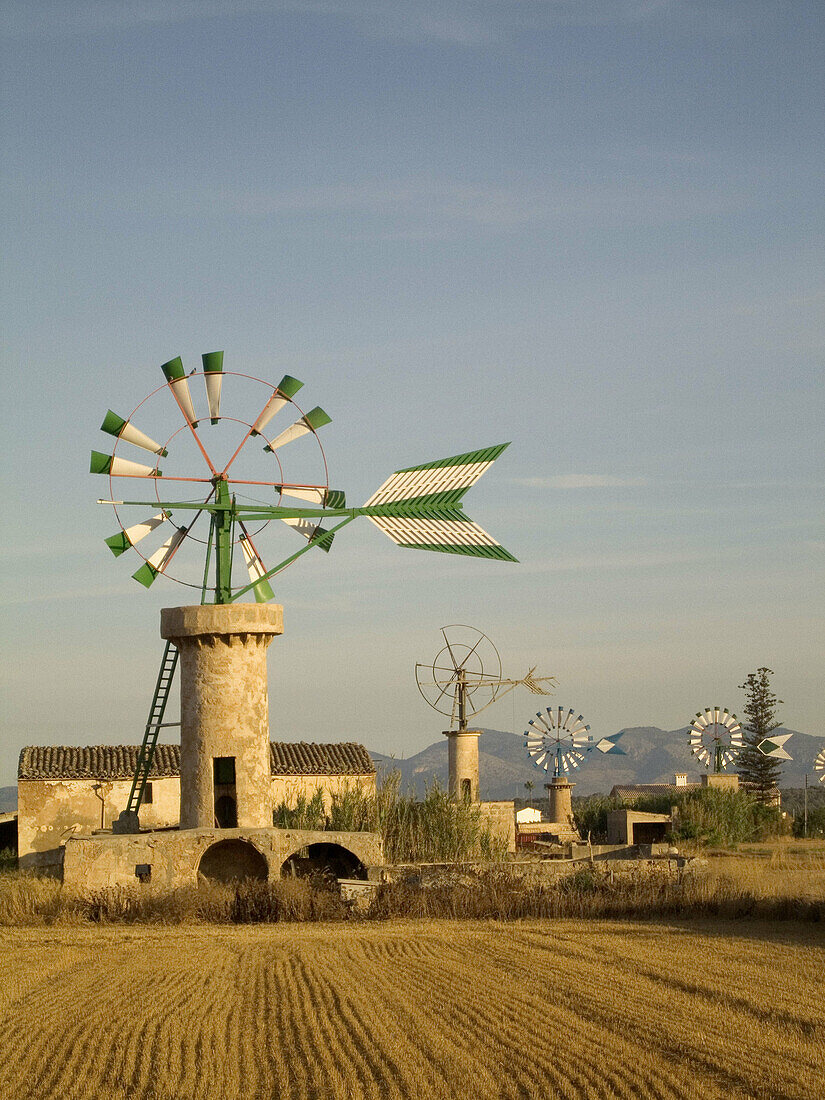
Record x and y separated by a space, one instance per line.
592 228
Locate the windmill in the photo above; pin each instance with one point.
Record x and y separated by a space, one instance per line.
819 765
558 742
463 680
206 513
715 736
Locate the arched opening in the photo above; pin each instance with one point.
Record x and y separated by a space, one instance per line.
233 861
226 812
323 864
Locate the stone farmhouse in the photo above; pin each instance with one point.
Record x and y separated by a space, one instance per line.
73 791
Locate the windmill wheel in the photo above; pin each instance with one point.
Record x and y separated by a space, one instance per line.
556 741
715 737
216 443
465 676
819 765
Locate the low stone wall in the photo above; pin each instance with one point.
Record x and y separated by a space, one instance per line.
172 858
535 871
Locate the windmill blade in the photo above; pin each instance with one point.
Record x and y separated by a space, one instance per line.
120 467
315 494
156 564
312 532
442 482
819 765
775 747
178 384
281 395
121 542
255 568
122 429
213 377
313 420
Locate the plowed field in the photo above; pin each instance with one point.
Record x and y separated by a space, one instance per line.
414 1009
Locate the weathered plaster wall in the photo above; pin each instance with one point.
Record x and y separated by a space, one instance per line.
288 788
52 810
109 860
224 710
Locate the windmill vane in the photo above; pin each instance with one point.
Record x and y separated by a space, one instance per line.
418 507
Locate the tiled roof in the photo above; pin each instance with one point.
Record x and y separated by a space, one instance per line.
120 761
639 789
300 758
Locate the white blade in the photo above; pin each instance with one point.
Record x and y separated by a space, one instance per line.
273 406
140 530
160 559
214 380
288 435
180 388
133 435
123 467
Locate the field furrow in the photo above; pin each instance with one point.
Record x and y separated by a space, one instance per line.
415 1009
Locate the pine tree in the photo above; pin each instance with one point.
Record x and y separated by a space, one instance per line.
759 773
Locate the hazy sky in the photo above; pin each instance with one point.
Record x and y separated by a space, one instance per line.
591 227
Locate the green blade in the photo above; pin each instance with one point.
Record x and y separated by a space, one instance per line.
145 575
118 543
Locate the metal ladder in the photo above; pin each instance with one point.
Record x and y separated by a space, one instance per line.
153 727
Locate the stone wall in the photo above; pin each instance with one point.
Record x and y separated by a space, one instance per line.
501 816
173 858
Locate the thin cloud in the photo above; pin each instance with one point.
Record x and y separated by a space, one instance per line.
458 22
581 481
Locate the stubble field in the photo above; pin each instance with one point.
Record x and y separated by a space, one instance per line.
414 1009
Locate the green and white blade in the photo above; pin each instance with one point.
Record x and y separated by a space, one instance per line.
255 567
312 532
122 429
213 377
160 559
121 542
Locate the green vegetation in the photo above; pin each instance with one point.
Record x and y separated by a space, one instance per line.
437 829
759 772
709 817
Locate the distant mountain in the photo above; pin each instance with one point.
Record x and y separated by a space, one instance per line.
653 756
8 799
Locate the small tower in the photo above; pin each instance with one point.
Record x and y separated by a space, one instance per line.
462 749
225 776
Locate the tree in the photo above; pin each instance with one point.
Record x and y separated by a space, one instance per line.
528 786
757 772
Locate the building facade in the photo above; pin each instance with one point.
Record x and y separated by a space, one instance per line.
75 791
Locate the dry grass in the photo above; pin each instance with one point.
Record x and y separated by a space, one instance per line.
419 1009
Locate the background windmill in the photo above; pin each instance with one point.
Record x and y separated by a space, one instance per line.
558 743
715 737
463 680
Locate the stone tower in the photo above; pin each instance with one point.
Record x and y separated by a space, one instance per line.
462 748
225 776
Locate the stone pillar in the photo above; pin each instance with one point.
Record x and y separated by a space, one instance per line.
224 710
462 747
561 806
